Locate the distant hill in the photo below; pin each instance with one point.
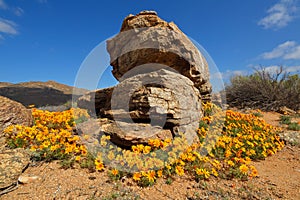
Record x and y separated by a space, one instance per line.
40 94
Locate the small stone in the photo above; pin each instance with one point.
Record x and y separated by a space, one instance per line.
286 111
27 178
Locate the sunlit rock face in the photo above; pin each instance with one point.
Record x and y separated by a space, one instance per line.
163 80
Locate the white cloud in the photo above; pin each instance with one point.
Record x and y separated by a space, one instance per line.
276 68
18 11
279 15
293 54
293 69
8 27
280 50
3 4
288 69
287 50
270 69
227 74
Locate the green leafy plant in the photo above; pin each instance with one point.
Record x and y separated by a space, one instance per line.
285 119
294 126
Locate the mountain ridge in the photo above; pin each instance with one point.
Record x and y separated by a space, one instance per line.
39 93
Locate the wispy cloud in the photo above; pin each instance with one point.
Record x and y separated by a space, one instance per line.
3 5
293 69
225 76
42 1
8 27
18 11
287 50
279 15
288 69
15 10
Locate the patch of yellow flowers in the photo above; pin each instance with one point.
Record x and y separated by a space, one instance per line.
239 139
51 137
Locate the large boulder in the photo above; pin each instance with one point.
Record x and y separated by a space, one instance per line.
13 162
12 112
159 101
163 80
147 106
145 38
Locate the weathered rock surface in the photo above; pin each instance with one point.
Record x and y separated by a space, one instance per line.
163 81
12 164
156 97
145 102
12 112
145 38
122 133
128 134
96 102
12 161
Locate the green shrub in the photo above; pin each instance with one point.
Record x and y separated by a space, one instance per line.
294 126
285 119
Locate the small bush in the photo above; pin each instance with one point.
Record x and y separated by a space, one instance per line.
294 126
284 119
265 89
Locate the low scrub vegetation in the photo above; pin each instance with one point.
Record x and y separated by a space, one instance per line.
265 89
287 120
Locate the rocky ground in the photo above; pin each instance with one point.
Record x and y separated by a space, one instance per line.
279 177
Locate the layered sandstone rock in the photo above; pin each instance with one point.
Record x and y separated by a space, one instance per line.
153 98
145 38
163 81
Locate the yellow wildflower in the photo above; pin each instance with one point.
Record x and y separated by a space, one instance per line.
179 170
115 172
151 176
137 176
244 169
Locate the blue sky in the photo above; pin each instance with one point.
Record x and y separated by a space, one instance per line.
44 40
